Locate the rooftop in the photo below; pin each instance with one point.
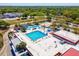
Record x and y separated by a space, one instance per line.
68 35
15 41
71 52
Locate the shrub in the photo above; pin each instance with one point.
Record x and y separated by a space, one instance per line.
23 29
1 40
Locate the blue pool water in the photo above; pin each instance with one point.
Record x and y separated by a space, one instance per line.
34 26
30 27
35 35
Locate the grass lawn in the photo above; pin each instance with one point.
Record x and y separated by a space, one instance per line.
17 21
22 21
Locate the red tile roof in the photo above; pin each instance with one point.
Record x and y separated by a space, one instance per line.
71 52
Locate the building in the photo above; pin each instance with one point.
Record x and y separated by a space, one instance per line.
13 42
71 52
67 36
12 15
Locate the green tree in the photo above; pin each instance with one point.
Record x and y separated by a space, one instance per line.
3 24
21 47
23 29
1 40
76 30
10 34
76 21
54 26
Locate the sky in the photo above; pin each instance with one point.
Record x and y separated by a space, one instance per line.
39 4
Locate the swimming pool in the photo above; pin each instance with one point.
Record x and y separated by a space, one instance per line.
34 26
35 35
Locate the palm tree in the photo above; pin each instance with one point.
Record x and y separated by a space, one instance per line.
23 29
53 26
21 46
10 34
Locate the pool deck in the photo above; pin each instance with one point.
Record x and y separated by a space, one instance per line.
46 46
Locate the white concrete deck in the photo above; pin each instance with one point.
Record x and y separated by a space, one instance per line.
46 46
